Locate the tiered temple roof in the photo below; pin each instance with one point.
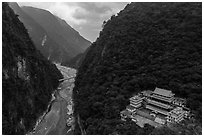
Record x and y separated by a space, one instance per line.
159 104
163 92
136 98
136 101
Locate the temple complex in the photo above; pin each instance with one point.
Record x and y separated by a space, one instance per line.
159 105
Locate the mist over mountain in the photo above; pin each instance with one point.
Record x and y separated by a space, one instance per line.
146 45
28 78
57 40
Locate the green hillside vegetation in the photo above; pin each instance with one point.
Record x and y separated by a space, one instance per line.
28 79
146 45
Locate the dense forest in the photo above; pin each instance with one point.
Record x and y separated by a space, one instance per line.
144 46
28 79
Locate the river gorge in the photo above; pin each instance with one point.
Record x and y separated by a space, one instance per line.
58 119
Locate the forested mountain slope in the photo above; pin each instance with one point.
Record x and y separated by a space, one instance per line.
28 79
146 45
76 61
57 40
47 46
69 40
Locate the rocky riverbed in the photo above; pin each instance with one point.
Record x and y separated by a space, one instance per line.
58 119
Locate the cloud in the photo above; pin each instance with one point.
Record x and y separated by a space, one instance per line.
42 5
85 17
94 7
66 12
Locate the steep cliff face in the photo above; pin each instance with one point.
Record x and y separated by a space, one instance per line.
28 79
56 39
146 45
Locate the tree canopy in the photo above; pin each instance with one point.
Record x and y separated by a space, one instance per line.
144 46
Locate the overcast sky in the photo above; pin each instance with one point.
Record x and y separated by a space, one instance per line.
85 17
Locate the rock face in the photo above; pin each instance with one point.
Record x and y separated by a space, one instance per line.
28 78
146 45
56 40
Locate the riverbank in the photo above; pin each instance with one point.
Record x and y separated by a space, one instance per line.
55 121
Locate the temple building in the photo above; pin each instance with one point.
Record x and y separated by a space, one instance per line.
125 114
159 101
179 101
136 101
163 95
176 115
131 108
161 104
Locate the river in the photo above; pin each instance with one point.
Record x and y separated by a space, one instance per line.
58 119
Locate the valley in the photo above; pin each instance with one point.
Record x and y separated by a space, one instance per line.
141 75
59 118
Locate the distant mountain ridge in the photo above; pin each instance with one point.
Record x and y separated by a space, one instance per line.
57 40
37 33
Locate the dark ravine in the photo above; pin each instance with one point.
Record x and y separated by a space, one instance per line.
144 46
28 79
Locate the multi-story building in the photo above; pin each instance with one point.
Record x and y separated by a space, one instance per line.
176 115
136 101
159 101
162 95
